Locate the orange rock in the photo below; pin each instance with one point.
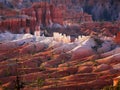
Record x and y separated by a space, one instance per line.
85 69
102 67
116 80
117 38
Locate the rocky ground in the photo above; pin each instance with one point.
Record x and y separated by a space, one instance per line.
44 63
88 61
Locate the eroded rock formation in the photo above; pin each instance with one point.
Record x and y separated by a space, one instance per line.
77 66
40 13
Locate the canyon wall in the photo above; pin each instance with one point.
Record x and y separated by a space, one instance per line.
39 13
100 10
107 10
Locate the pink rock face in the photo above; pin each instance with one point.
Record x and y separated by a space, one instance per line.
110 59
103 67
32 48
64 48
51 13
82 53
8 46
115 51
39 15
85 69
